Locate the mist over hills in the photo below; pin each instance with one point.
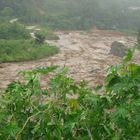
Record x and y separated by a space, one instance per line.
74 14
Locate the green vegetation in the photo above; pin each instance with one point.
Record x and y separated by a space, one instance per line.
21 50
71 14
16 44
40 37
13 31
67 110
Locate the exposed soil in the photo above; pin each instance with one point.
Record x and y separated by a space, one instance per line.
86 54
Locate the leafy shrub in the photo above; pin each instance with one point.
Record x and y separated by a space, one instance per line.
67 110
7 11
13 31
19 50
123 88
40 37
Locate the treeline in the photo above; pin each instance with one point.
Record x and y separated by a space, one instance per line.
86 14
25 10
79 14
13 31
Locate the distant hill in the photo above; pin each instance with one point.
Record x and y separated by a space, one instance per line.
74 14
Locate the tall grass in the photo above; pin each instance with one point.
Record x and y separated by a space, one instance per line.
21 50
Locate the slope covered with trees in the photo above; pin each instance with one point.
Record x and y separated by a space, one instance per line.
79 14
26 10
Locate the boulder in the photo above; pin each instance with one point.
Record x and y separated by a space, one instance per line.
118 49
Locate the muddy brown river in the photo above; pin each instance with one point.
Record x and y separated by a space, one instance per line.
85 53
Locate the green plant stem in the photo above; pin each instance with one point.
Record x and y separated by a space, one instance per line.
89 133
18 134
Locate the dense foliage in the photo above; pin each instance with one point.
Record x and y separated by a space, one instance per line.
74 14
41 36
19 50
66 110
16 44
13 31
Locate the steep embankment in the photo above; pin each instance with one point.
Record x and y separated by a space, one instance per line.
86 54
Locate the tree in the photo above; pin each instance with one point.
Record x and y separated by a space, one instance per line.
7 11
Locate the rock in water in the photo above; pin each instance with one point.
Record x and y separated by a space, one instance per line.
118 49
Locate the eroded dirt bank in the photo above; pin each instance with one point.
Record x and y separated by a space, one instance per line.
86 54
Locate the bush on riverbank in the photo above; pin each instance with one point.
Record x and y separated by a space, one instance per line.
45 34
21 50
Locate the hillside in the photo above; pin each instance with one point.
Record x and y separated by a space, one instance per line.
25 10
80 14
